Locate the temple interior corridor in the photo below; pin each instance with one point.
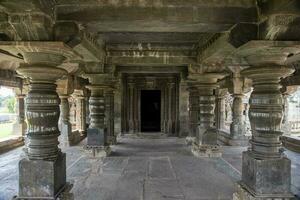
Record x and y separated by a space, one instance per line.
145 168
149 99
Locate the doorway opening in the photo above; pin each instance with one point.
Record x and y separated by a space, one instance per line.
150 110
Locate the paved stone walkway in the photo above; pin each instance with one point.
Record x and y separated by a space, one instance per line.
143 169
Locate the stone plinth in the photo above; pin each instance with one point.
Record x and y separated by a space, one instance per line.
42 179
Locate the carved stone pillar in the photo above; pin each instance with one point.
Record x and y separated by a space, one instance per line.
109 108
193 114
80 114
131 95
19 128
220 112
42 172
205 144
170 123
237 127
97 135
87 110
266 171
65 125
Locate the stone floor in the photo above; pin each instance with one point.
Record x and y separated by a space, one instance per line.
144 169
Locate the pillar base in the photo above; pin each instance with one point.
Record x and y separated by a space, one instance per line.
190 140
268 177
41 179
206 151
242 194
98 152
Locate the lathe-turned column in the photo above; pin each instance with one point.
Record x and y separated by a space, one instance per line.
193 114
206 140
97 138
266 171
65 125
42 172
206 144
109 108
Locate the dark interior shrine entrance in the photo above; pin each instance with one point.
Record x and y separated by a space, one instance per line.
150 110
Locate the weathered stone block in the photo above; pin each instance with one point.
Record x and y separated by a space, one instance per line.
41 178
96 137
269 177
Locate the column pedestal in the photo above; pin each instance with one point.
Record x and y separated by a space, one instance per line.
266 172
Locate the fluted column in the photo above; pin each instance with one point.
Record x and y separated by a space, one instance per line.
266 171
43 171
65 125
193 114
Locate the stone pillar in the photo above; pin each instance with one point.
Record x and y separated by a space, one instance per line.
193 114
19 128
65 125
42 172
97 136
131 121
80 114
170 123
206 143
220 112
87 110
237 127
266 171
109 108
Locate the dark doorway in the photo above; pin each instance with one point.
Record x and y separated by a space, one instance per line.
150 110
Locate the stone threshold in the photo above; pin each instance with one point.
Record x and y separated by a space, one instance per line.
11 142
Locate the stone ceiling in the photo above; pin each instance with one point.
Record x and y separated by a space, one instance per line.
151 32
